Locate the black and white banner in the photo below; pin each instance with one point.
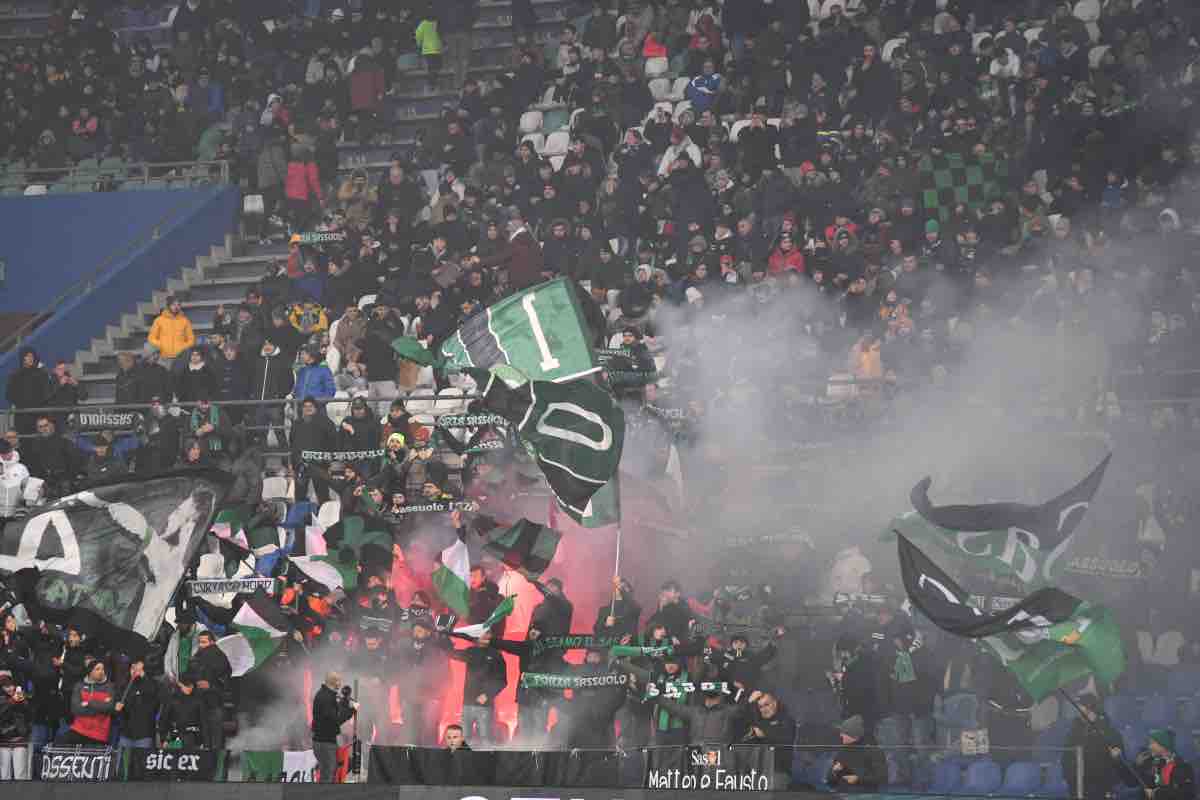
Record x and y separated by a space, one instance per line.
215 586
76 764
726 769
174 765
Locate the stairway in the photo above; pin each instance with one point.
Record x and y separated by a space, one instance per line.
214 279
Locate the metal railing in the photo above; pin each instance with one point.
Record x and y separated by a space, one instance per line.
104 175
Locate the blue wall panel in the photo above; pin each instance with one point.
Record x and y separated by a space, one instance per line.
134 279
54 241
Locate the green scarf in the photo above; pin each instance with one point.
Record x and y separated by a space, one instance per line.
665 722
903 670
214 417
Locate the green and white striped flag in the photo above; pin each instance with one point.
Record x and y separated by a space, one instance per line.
451 576
540 331
261 628
327 570
503 610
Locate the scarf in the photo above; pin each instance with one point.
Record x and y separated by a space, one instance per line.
903 670
214 415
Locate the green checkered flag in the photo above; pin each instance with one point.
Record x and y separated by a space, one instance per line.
950 179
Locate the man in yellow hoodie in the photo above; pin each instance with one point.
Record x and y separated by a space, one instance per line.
171 332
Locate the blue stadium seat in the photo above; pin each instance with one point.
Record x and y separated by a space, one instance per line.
1121 709
1185 743
1158 712
947 777
1022 778
1052 739
1055 784
1187 711
1134 737
1183 681
983 777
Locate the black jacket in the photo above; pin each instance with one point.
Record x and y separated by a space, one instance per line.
272 377
483 602
709 726
486 674
1100 769
626 613
329 711
675 617
863 760
210 664
129 387
28 387
183 714
154 380
141 709
553 615
16 721
52 457
316 434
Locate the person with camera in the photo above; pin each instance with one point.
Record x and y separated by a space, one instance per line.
1159 770
331 708
16 724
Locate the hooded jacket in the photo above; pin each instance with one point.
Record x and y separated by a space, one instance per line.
28 387
171 333
272 376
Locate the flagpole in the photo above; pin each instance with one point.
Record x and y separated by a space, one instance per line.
1067 696
612 609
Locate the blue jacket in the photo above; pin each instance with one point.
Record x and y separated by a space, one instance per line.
702 101
314 381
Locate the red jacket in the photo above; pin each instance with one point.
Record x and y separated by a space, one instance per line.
523 260
780 261
366 87
302 182
95 719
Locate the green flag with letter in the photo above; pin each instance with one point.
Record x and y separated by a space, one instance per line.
575 431
540 331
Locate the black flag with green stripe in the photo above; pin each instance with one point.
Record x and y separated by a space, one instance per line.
574 430
526 547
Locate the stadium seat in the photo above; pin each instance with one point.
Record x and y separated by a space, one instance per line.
1022 778
685 105
1051 740
1183 681
531 122
366 300
408 61
1134 737
1096 54
1055 785
1121 709
947 777
1031 34
657 67
1158 712
557 162
274 487
450 401
557 144
977 38
736 130
890 46
1187 711
660 88
983 777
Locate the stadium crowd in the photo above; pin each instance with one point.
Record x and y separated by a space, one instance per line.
881 181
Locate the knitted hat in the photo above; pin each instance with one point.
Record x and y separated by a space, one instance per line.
932 226
1165 737
853 727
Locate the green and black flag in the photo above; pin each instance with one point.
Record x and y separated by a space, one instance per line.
526 547
1047 641
1026 541
541 332
575 431
110 558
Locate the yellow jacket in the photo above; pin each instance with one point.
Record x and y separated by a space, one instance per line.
171 334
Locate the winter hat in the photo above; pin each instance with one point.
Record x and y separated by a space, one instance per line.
1165 737
853 727
932 226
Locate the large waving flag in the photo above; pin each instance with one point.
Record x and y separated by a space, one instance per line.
1026 541
526 547
541 332
111 558
575 431
1047 641
261 629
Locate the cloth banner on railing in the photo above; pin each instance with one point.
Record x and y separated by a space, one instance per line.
173 765
433 767
729 769
76 764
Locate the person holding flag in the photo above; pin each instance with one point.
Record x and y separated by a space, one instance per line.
1159 770
1092 732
